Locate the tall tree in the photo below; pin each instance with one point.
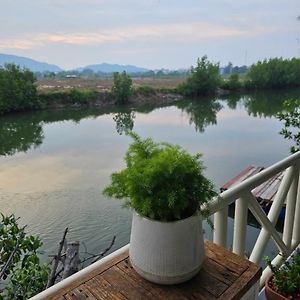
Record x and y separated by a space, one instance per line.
17 89
122 87
204 79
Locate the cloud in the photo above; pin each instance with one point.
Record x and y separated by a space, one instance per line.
37 175
174 32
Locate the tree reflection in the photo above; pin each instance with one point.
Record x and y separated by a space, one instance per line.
263 105
24 131
202 113
124 121
17 135
232 100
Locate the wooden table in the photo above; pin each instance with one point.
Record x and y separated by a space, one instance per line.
224 276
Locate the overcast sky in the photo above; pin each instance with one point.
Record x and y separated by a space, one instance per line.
149 33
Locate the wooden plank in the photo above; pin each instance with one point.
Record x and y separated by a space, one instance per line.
267 190
221 272
248 172
129 289
171 292
92 274
80 293
271 191
224 276
245 282
103 290
233 262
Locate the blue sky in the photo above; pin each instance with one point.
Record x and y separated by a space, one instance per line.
152 33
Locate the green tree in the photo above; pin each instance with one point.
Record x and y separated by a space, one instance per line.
19 262
232 83
291 121
204 79
274 73
122 87
17 89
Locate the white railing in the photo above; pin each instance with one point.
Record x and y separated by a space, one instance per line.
289 191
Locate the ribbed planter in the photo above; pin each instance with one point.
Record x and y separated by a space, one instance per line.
166 252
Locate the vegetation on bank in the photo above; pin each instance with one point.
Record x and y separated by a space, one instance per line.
274 73
122 87
204 79
18 90
20 265
291 122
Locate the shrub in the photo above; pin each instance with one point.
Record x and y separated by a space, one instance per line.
82 96
204 79
232 83
17 89
291 119
274 73
122 87
286 279
26 276
145 90
161 181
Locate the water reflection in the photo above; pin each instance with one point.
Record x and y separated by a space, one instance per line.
22 132
19 134
124 121
201 113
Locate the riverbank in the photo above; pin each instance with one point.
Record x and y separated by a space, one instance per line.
90 99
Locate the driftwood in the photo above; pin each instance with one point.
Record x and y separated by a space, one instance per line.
68 262
56 260
72 260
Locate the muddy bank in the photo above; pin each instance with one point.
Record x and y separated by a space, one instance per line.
105 100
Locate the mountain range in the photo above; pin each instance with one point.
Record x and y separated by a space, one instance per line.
31 64
37 66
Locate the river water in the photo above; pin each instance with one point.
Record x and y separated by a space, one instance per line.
54 165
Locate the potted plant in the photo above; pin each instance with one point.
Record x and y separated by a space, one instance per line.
165 187
285 281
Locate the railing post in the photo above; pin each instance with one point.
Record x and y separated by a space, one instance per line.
240 226
220 227
264 235
296 228
290 211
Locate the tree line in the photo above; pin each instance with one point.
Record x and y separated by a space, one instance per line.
18 90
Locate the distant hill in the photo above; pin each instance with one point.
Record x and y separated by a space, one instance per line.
111 68
33 65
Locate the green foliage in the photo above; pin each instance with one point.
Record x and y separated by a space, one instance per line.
82 96
26 276
274 73
204 79
17 89
291 121
201 113
286 279
232 83
145 90
161 181
122 87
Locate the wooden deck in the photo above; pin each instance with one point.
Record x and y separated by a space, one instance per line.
224 276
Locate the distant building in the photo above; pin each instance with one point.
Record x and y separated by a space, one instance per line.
71 76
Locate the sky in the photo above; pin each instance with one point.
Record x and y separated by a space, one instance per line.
149 33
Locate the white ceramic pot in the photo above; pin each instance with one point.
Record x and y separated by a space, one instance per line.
166 252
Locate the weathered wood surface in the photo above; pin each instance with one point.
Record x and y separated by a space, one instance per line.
72 259
264 192
224 276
